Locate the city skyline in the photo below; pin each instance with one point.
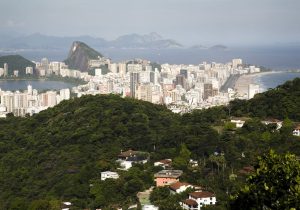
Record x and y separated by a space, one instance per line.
189 22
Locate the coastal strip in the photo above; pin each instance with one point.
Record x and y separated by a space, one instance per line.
242 83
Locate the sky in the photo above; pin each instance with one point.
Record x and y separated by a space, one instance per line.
235 22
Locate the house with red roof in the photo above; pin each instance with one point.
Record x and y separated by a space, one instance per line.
179 187
296 131
166 163
199 199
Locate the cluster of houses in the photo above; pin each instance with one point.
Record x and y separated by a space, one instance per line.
197 199
166 177
239 122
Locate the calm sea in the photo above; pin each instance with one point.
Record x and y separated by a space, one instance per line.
274 57
14 85
272 80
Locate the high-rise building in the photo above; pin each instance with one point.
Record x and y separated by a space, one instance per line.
45 65
55 67
134 67
29 89
134 81
113 67
180 80
144 92
5 70
208 91
16 73
64 94
98 72
1 72
252 90
236 62
122 69
29 70
184 72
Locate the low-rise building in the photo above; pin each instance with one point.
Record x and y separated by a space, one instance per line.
109 175
239 122
198 199
276 122
296 131
179 187
128 158
167 177
166 163
149 207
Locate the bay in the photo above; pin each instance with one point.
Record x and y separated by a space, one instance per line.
272 80
40 85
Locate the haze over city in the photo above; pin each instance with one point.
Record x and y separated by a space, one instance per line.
229 22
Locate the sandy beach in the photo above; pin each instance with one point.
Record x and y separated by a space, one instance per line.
242 83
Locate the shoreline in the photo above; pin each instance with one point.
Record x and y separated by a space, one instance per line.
242 83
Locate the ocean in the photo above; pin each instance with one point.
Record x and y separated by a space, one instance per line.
272 80
273 57
40 85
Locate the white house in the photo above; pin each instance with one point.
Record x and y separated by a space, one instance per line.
198 199
109 175
239 122
179 187
149 207
296 131
273 121
127 158
166 163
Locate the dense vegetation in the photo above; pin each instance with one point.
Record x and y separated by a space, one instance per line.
280 103
274 185
58 154
16 62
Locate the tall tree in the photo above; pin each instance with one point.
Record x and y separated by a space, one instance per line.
275 184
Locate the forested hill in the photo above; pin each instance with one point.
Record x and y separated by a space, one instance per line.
58 154
16 62
280 103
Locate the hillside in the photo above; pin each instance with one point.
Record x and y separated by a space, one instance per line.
58 154
79 56
280 103
16 62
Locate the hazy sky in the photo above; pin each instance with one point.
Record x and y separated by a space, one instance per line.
187 21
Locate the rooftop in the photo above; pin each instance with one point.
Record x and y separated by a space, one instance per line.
128 153
203 194
177 185
168 174
165 161
190 202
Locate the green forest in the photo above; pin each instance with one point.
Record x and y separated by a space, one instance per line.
16 62
57 155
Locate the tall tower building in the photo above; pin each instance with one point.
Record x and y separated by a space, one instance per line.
122 69
45 64
29 89
134 81
180 80
208 90
5 70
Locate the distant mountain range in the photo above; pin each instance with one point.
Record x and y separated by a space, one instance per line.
37 41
